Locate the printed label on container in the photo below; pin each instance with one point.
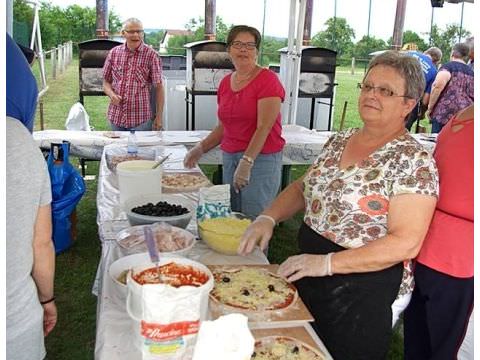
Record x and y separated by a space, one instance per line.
164 347
164 332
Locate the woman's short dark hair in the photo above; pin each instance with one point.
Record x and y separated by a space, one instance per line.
407 67
460 50
237 29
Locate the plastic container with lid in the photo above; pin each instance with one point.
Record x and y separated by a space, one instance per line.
136 177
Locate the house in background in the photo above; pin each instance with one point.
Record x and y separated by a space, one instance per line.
168 34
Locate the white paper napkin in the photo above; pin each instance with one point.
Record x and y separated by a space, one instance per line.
228 337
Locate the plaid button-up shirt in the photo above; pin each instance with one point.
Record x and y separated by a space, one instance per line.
131 74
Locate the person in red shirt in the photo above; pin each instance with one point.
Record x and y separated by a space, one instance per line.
129 72
250 129
437 317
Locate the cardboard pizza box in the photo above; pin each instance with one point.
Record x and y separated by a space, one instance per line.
296 314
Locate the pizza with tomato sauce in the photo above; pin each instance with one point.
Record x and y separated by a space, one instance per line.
172 274
252 288
284 348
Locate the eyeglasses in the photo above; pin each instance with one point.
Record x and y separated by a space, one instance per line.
131 32
248 45
379 90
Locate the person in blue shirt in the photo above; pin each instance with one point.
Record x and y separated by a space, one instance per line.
428 61
21 86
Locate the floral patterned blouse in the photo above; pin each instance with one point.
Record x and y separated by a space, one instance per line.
350 206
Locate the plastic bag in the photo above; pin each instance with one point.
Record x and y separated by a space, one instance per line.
68 188
214 202
77 118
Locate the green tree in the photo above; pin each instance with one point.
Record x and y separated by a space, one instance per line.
445 39
154 38
58 25
270 46
367 45
410 36
197 26
337 36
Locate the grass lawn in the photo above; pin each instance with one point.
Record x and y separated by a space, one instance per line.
74 336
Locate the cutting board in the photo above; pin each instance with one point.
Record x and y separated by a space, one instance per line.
296 314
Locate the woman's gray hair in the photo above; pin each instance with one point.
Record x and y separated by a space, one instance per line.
131 20
407 67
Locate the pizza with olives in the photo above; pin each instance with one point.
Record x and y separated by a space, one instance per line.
283 347
252 288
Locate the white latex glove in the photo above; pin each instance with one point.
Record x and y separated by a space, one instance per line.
258 232
299 266
241 176
192 157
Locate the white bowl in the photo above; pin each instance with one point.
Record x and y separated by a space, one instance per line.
130 262
126 263
117 155
132 240
180 221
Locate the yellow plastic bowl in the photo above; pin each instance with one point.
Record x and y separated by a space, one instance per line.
223 234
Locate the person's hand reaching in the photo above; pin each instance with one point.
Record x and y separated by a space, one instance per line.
241 176
299 266
192 157
259 232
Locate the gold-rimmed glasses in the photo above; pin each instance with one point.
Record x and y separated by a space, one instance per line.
379 90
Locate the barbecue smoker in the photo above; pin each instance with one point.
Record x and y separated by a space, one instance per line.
92 55
316 81
207 64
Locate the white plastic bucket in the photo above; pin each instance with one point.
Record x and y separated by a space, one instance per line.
136 177
167 319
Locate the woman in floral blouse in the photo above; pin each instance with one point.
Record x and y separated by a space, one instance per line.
368 200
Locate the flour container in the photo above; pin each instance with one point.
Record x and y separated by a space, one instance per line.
166 319
136 177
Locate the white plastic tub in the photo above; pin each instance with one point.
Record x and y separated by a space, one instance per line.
166 319
137 177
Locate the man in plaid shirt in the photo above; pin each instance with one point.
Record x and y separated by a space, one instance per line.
128 74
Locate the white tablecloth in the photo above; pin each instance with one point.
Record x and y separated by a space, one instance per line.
114 336
302 145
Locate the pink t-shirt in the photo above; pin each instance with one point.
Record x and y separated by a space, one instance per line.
448 246
237 110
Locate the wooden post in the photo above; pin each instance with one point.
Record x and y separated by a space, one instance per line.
344 112
42 125
353 66
54 63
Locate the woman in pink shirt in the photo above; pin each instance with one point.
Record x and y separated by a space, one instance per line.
437 316
250 129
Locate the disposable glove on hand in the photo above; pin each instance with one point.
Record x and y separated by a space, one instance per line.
299 266
241 177
192 157
260 231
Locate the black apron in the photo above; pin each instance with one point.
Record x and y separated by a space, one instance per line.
353 314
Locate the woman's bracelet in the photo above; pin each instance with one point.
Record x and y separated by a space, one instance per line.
47 301
268 218
248 159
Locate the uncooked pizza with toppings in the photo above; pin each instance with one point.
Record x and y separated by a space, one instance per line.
284 348
184 182
252 288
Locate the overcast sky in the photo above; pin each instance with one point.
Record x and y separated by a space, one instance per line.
174 14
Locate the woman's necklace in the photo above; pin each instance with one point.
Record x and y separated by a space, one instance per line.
248 76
